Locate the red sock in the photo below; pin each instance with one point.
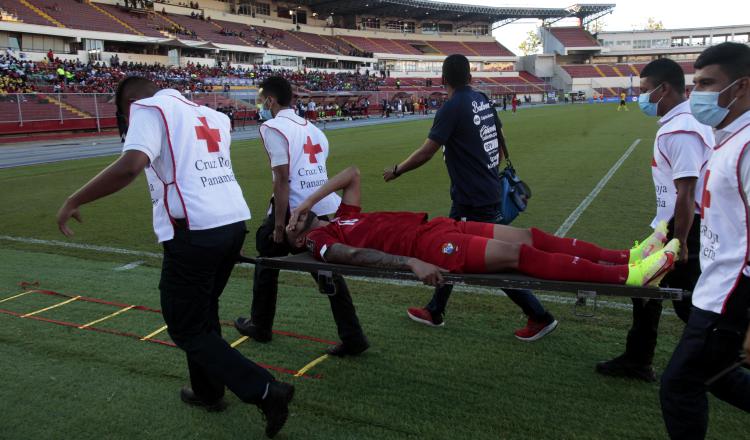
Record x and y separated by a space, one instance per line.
540 264
578 248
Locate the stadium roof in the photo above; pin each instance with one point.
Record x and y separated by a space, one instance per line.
422 9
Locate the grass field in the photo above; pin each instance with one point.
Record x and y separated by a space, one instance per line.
468 380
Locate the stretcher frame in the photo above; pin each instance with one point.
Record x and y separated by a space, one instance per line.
584 292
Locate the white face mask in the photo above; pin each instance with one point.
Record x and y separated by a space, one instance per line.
705 106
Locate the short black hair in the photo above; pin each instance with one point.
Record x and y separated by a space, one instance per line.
456 70
127 89
279 88
732 58
129 86
667 71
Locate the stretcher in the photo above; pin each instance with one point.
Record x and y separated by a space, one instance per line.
585 292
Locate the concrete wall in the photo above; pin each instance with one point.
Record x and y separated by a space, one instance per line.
550 43
541 65
137 58
40 56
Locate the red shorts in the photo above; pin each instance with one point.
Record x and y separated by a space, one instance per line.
456 246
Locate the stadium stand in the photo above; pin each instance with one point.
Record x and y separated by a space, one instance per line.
26 14
574 36
443 47
209 30
581 71
107 17
147 24
615 70
615 63
81 15
179 45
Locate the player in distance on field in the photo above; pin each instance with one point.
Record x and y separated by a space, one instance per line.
408 241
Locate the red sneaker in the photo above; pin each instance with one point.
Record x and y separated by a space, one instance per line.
423 316
535 330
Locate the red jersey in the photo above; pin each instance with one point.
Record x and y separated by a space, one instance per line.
391 232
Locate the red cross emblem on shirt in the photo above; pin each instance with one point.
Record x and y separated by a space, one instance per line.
706 199
312 149
212 136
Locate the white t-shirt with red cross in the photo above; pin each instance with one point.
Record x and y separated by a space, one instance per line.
190 172
290 139
681 149
725 244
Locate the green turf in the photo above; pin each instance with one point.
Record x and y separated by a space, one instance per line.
469 380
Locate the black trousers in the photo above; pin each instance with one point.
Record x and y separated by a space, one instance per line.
266 282
523 298
709 344
195 270
641 340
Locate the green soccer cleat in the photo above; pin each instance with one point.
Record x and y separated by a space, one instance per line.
650 271
653 243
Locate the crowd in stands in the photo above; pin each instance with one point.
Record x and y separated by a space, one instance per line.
231 33
177 30
261 36
139 4
8 16
14 73
399 107
199 16
55 75
191 5
354 52
317 80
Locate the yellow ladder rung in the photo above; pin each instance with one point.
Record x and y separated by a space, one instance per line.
16 296
154 333
309 366
112 315
238 341
51 307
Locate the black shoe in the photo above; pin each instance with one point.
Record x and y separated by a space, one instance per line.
247 328
188 396
275 407
348 348
623 367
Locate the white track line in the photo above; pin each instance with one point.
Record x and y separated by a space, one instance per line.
129 266
88 247
463 289
573 217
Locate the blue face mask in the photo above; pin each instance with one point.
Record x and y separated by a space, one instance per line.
648 107
706 109
265 112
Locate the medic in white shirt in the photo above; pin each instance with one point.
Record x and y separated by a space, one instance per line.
707 358
199 217
297 151
681 150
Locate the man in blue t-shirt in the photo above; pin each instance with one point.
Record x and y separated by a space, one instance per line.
466 128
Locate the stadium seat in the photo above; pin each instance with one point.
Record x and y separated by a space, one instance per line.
573 36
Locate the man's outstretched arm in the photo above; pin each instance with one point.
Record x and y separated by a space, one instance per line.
348 180
344 254
112 179
418 158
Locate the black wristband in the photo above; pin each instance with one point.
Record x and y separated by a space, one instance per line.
395 170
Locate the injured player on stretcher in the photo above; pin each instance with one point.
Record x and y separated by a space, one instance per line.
409 241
